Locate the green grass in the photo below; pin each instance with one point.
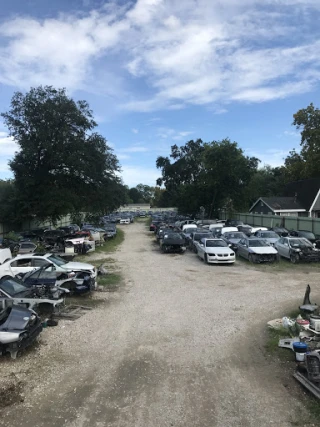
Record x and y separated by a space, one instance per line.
110 281
282 265
271 345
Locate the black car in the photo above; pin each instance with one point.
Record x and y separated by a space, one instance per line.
307 235
281 231
19 327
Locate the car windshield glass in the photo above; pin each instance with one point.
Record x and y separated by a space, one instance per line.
11 287
296 243
307 235
256 243
173 236
216 244
269 235
55 259
235 235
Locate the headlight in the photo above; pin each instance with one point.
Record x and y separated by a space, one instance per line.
297 250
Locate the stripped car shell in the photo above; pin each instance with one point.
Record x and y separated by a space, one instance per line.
19 327
297 249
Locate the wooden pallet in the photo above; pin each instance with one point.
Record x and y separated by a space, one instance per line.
307 384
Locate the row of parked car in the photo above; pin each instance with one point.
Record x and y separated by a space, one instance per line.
68 239
217 241
34 285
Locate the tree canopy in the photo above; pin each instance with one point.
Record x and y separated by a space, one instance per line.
206 174
62 164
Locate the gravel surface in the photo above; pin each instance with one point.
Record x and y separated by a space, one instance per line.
180 344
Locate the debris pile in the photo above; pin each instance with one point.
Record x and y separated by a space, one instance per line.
304 340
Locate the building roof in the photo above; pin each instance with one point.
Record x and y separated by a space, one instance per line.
281 203
306 191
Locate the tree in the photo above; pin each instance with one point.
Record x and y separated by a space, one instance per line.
206 174
62 165
307 163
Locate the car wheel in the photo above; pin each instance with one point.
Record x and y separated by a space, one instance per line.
251 258
206 258
294 258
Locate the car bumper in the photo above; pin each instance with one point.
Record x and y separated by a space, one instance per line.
220 259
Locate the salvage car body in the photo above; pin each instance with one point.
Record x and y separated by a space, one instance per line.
19 327
14 291
257 250
215 251
297 249
25 263
76 282
172 242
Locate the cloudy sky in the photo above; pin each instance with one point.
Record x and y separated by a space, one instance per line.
162 72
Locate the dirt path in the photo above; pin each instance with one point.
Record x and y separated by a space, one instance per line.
180 345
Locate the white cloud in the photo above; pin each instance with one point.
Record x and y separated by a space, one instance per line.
7 149
272 157
133 175
214 52
172 134
134 130
134 149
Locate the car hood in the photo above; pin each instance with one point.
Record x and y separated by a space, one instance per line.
78 266
271 239
234 240
263 250
219 250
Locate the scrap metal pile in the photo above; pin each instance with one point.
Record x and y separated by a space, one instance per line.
304 339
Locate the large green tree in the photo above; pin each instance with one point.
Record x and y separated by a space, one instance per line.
306 164
62 164
213 175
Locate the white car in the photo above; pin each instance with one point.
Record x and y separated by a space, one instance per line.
125 221
25 263
215 251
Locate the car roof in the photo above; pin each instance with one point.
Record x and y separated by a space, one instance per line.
33 255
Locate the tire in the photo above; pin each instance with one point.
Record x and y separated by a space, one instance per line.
251 258
294 258
205 258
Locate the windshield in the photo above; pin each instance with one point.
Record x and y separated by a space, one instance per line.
216 244
55 259
236 235
296 243
257 243
269 235
173 236
307 235
11 287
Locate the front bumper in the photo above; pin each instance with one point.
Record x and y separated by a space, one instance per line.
220 259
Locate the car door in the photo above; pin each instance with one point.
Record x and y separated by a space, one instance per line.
286 248
200 246
22 266
241 248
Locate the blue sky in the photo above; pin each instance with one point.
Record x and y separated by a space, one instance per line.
162 72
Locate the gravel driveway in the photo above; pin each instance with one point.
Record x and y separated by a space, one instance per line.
181 344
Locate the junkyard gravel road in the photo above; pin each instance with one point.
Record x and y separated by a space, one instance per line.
181 344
